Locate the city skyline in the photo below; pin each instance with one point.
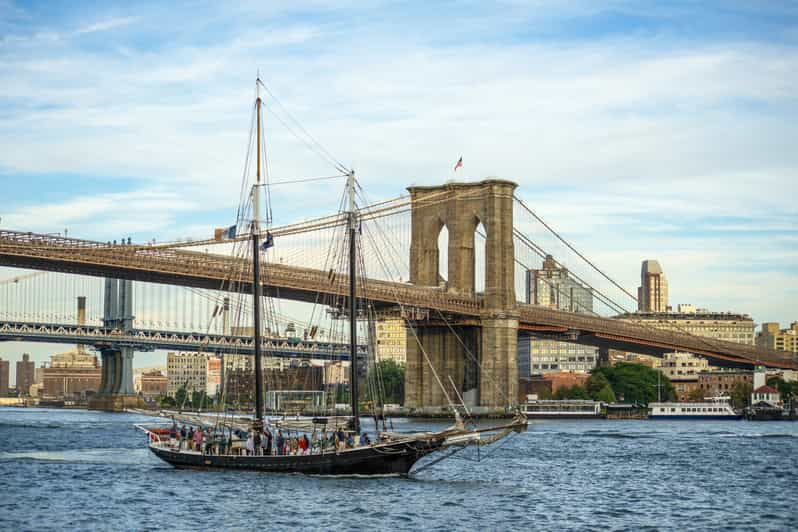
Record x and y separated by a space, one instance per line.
691 177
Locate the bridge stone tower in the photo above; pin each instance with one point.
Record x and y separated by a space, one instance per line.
478 356
116 385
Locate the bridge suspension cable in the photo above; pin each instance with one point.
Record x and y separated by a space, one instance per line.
572 248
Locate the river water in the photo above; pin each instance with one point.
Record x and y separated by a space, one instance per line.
71 469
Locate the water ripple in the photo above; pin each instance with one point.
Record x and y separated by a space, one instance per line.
91 470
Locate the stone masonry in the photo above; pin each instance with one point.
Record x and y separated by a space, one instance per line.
479 359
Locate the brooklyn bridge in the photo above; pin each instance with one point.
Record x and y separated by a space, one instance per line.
464 301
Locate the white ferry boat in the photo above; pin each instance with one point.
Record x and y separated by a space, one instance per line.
715 408
565 409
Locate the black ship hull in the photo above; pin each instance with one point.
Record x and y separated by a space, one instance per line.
396 458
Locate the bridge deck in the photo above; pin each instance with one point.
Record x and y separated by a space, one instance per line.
218 272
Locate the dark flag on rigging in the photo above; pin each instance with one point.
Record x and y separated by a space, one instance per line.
268 243
224 233
458 165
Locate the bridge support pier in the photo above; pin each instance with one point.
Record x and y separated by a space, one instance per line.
499 363
116 388
450 356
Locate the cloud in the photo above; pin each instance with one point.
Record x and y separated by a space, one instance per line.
120 214
634 145
107 24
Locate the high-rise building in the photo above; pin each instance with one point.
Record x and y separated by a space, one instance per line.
780 339
392 340
553 287
5 369
189 370
26 375
652 294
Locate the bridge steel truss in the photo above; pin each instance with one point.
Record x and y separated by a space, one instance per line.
149 340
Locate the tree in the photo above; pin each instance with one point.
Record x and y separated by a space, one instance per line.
595 384
696 394
180 396
788 390
200 400
636 383
571 392
392 377
740 394
166 402
605 395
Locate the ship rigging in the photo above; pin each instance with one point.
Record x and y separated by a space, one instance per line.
337 446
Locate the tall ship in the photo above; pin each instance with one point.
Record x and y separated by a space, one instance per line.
715 408
334 445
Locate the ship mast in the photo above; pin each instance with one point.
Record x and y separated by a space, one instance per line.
256 286
350 185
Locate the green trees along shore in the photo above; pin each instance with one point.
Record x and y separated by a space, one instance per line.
625 382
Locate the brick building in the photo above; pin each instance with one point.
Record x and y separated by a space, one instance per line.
717 383
153 384
549 383
240 385
5 368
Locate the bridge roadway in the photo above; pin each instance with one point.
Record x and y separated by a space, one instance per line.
212 271
148 340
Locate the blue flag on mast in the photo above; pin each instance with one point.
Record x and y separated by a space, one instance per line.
268 243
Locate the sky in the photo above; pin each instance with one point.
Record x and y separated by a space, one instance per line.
640 130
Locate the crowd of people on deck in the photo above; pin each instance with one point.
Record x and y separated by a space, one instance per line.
221 441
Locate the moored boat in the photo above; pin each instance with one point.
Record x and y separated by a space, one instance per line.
716 408
565 409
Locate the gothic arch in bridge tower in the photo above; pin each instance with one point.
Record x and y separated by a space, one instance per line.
479 358
480 246
442 243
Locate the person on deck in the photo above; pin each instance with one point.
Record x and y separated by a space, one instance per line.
209 440
183 436
268 439
250 445
173 431
199 437
190 439
263 444
256 442
222 442
364 439
280 441
303 446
